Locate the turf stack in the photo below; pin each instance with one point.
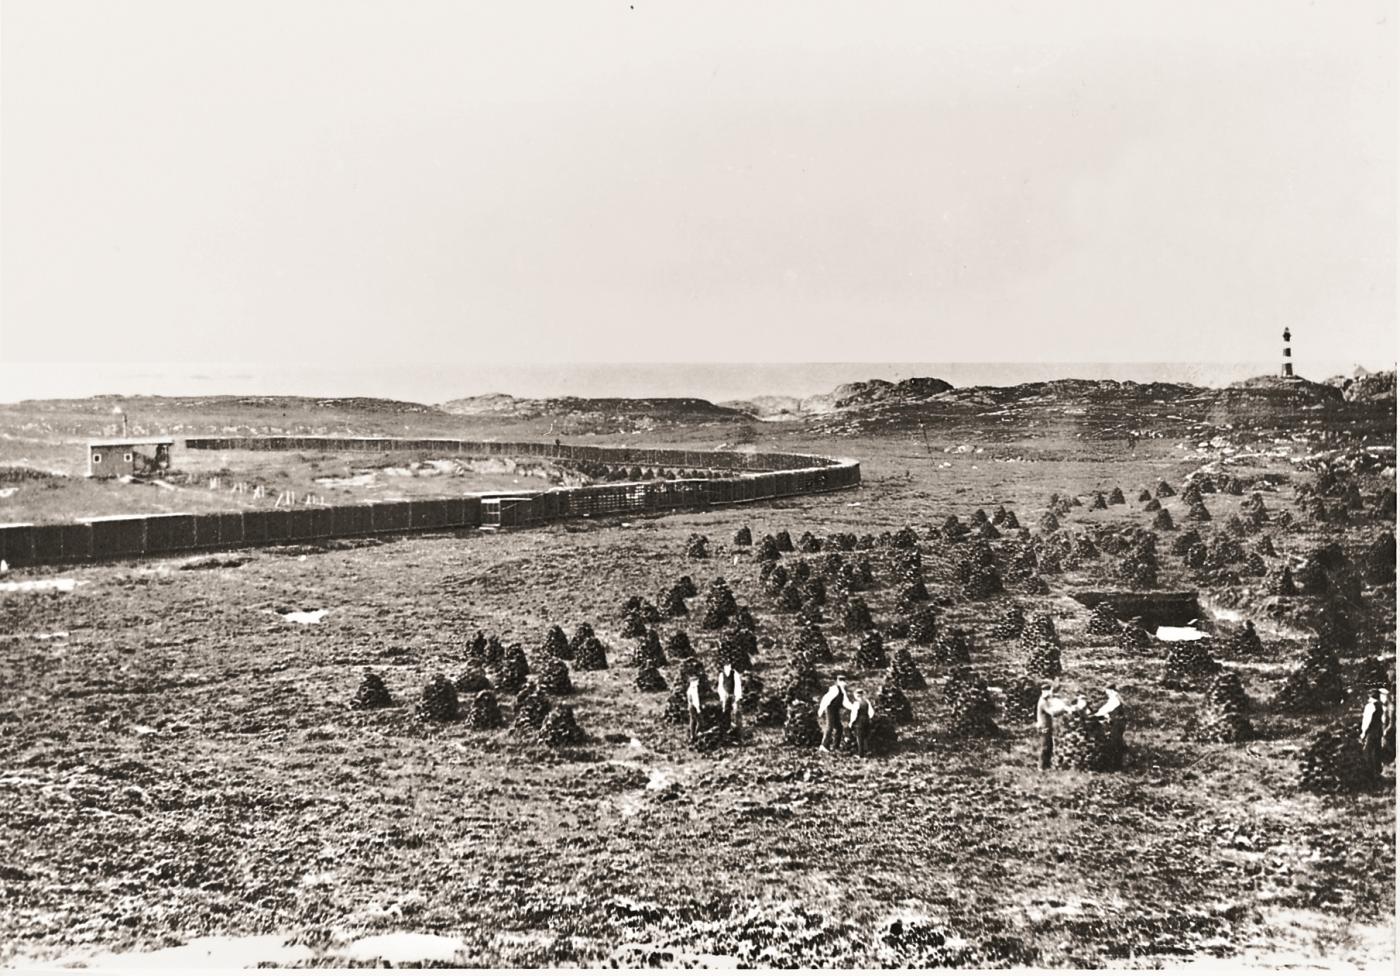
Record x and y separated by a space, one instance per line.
720 604
811 642
1198 512
648 653
1332 763
650 680
1115 497
1188 664
1102 621
737 648
590 655
800 728
509 676
1022 697
809 543
972 711
556 644
553 677
673 603
581 634
471 680
1165 490
870 656
1316 684
800 681
484 712
371 693
678 646
982 582
904 673
891 701
923 626
1246 642
1080 743
561 728
855 617
1099 502
439 702
1041 645
697 547
1010 625
1224 715
1133 638
531 707
743 536
953 647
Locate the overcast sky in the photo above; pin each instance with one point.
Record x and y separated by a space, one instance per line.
369 182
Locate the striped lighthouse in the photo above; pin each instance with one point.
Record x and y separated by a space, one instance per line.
1287 354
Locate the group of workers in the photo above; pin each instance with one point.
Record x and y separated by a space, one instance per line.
731 690
1113 717
835 722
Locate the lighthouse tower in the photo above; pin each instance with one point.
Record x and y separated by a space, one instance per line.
1287 354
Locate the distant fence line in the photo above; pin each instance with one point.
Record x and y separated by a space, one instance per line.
757 477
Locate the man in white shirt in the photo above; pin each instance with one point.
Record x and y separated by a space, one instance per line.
1114 718
1372 732
829 714
692 702
1045 711
731 689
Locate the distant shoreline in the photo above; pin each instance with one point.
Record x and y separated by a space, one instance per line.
716 382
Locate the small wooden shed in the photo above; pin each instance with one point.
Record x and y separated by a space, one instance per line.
118 456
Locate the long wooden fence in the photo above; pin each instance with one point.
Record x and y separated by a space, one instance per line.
746 477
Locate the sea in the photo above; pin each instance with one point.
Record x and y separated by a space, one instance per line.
438 382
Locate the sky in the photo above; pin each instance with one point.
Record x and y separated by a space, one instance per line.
350 185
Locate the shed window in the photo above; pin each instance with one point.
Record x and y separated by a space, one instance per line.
127 457
96 458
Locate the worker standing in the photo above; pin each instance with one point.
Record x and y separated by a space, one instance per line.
1372 721
731 689
1114 718
829 712
1045 711
692 703
862 712
1387 702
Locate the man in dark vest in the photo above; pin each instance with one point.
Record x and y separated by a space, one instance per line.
862 711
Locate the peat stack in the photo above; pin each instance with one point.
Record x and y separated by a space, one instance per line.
1022 697
531 707
673 603
737 649
1010 624
800 728
767 550
648 653
870 656
1115 497
634 624
1099 502
581 633
590 655
923 626
678 646
509 676
981 582
1224 716
1041 645
789 598
809 543
1080 743
561 728
720 604
1133 638
953 647
1153 505
1332 763
800 680
556 644
1102 622
811 643
783 540
743 536
471 679
891 701
553 677
855 616
476 648
972 711
372 692
904 673
1315 684
439 701
697 547
1189 663
484 712
1245 642
1198 512
1165 490
649 679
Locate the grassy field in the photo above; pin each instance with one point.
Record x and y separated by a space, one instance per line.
178 760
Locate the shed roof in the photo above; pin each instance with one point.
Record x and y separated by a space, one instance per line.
129 441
